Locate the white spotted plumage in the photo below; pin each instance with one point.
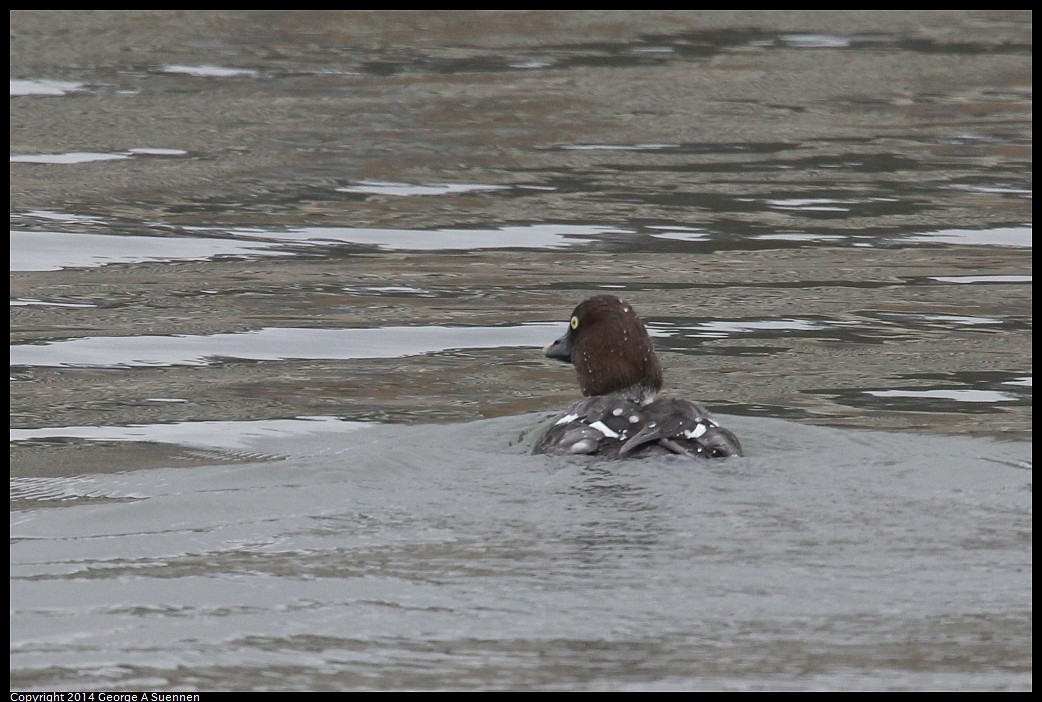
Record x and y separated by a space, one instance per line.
604 429
566 419
699 429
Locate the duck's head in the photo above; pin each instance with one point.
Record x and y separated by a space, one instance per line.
610 349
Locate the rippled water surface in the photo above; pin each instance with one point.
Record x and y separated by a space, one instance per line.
279 283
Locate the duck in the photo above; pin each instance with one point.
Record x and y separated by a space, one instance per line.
622 413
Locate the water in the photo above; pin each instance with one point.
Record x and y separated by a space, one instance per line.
446 557
278 288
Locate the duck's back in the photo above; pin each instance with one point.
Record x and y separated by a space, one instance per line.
617 426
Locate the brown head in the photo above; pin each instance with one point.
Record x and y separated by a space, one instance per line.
610 349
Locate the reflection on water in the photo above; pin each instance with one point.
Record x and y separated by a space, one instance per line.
67 158
278 287
277 344
211 71
1006 236
222 435
957 395
52 88
373 187
87 157
983 278
50 250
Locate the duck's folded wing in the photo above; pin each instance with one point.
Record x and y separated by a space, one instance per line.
682 427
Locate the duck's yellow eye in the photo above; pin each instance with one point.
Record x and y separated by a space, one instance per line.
574 323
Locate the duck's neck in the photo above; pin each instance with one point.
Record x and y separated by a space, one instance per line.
641 394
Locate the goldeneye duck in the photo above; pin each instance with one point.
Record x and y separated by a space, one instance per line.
621 414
